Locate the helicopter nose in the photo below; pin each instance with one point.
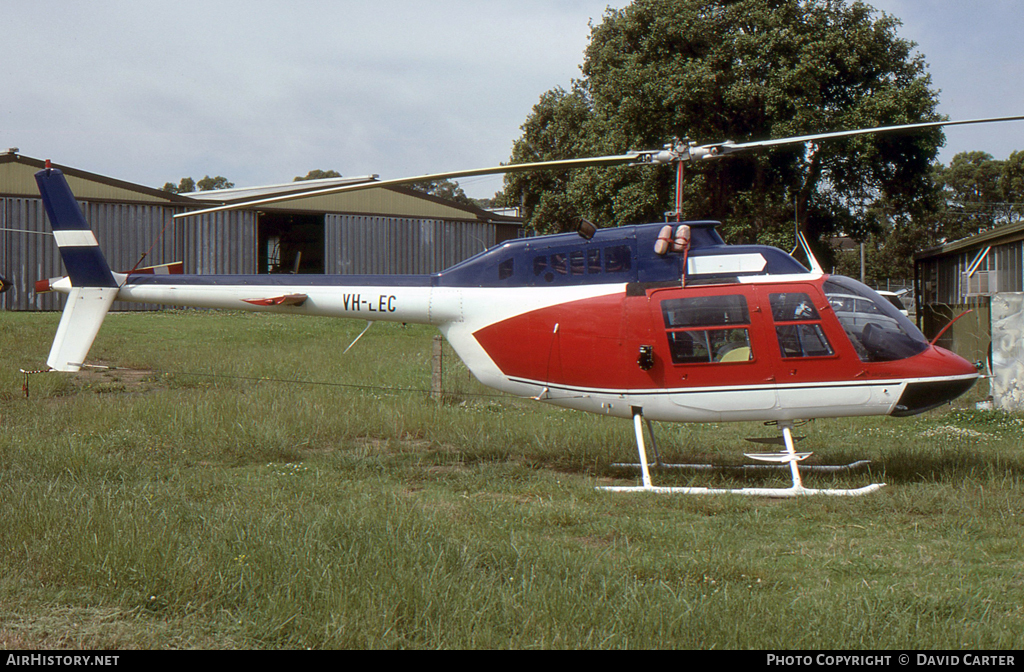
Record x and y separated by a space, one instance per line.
950 376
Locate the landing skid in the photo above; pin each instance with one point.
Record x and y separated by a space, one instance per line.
778 493
783 460
814 468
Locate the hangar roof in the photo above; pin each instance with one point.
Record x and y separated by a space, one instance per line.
17 180
1000 235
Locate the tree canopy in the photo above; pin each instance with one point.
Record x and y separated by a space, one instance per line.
318 175
446 189
715 70
978 193
974 193
187 185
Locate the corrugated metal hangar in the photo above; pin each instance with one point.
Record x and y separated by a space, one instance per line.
981 280
386 230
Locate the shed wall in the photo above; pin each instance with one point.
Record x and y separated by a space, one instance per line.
218 243
359 244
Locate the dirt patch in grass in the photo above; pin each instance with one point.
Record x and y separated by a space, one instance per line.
97 378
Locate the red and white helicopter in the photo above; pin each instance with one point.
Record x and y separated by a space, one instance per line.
650 322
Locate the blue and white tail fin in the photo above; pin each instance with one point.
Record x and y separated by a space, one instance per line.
93 286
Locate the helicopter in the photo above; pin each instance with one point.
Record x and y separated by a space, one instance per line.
648 322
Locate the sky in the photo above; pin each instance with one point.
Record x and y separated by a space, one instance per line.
262 91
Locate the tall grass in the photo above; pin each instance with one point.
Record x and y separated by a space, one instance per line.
197 501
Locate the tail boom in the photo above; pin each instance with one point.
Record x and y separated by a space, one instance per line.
330 296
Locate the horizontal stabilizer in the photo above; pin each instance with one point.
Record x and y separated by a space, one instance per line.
62 284
173 268
79 324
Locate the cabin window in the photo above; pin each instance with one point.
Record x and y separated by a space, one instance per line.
505 269
708 329
798 326
705 311
792 307
560 263
702 346
540 264
617 259
577 262
803 340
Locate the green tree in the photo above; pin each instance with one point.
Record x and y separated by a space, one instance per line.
977 193
212 183
318 175
187 185
449 190
1011 183
974 193
714 70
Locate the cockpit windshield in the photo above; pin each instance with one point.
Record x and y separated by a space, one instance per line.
879 332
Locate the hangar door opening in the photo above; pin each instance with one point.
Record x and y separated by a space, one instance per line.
290 243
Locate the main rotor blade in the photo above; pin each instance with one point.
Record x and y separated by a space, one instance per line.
670 154
724 148
615 160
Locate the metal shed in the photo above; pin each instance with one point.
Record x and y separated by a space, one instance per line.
965 275
386 230
983 274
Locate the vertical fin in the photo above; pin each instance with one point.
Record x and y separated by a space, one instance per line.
93 286
78 246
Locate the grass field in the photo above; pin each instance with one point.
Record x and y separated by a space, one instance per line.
193 498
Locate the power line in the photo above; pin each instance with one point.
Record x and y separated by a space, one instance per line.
262 379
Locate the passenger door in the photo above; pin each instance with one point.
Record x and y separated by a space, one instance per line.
714 348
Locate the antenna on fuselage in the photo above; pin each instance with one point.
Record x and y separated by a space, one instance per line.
800 241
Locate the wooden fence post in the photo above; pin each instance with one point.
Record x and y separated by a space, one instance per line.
436 382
